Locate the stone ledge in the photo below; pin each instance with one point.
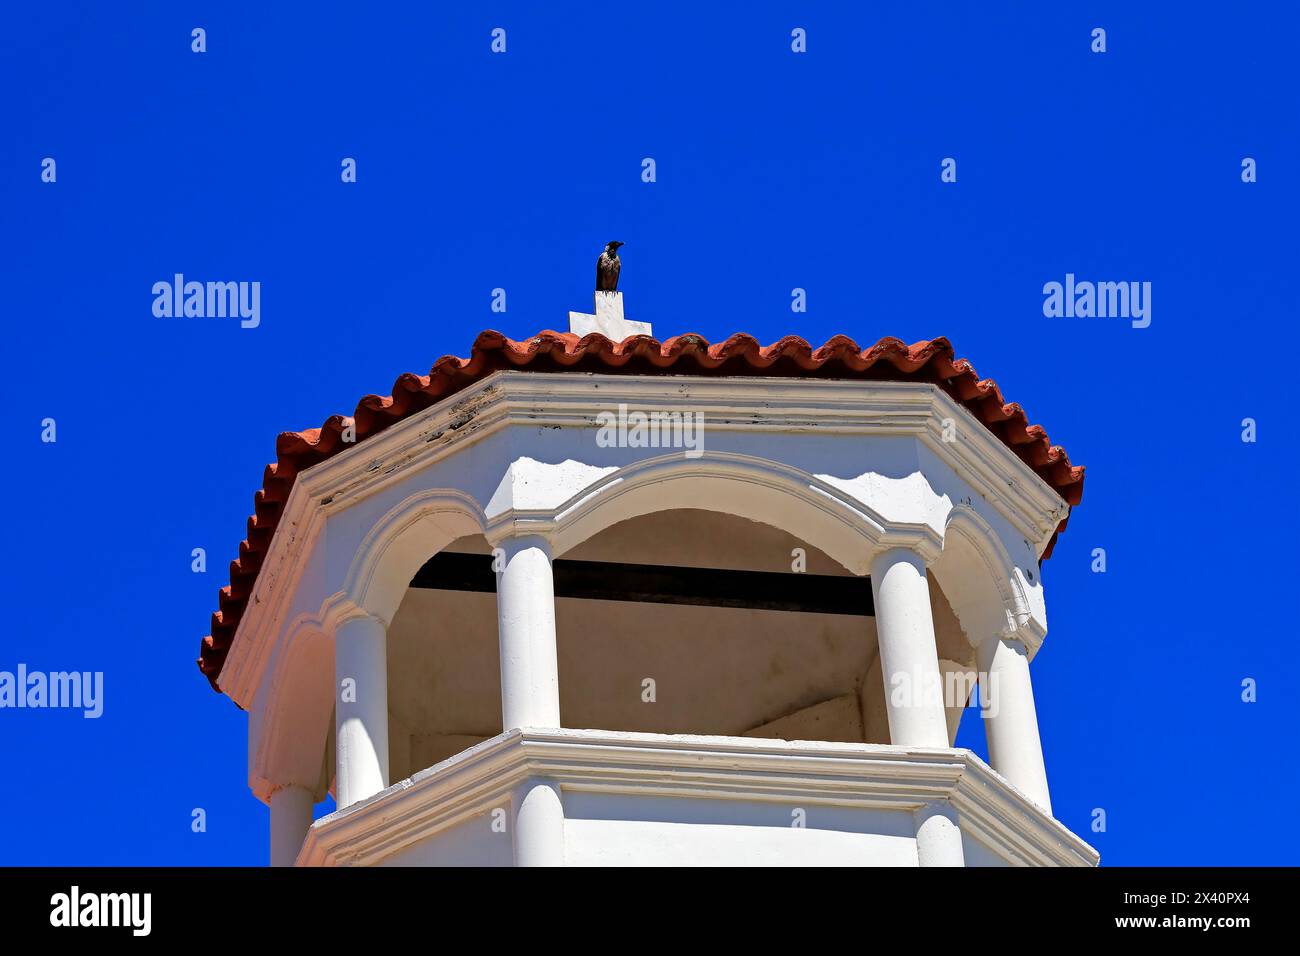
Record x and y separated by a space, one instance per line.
863 776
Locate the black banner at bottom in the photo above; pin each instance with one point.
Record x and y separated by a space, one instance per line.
329 905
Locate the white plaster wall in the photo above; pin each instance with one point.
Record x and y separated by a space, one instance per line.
603 829
715 670
978 853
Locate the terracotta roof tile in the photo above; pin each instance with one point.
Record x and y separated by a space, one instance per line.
840 357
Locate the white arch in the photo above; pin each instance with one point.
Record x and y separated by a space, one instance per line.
846 529
295 723
400 542
979 578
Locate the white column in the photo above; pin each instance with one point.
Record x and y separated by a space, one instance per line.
938 837
361 708
291 807
909 661
530 685
539 824
1010 719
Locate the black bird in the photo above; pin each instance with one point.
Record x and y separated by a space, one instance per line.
607 267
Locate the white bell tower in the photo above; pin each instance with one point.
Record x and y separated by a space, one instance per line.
634 602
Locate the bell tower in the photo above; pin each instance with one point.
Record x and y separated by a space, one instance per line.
594 598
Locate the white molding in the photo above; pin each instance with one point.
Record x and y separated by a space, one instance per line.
252 644
864 776
434 506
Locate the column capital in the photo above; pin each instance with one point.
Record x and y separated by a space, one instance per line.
340 609
1014 640
264 788
516 541
1025 633
924 545
1010 637
513 526
888 557
274 788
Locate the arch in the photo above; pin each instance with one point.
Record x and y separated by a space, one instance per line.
401 541
788 498
293 731
978 577
295 725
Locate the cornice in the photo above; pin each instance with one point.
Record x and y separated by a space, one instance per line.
864 776
733 403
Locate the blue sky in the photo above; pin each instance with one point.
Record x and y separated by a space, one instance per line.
775 170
